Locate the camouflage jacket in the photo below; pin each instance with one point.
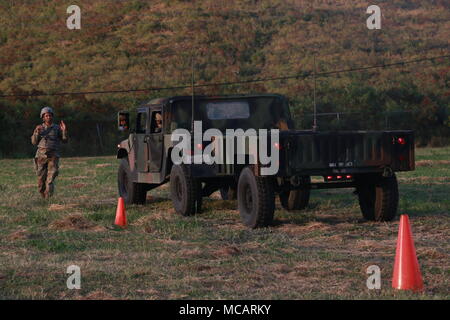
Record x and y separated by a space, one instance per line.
49 141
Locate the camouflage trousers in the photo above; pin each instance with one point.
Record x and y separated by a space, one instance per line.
47 171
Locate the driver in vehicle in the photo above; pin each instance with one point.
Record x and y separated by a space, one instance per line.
158 122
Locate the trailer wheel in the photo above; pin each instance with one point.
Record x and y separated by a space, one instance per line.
378 197
228 193
256 200
131 192
296 199
185 191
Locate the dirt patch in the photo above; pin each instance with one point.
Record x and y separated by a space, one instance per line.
431 163
19 235
227 251
61 207
373 244
75 222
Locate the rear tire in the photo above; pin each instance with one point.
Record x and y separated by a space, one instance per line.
256 199
185 191
378 197
296 199
131 192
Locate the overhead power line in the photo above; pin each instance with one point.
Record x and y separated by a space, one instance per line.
303 75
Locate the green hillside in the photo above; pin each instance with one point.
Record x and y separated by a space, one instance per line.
141 44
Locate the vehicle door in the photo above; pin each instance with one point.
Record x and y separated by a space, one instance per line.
140 144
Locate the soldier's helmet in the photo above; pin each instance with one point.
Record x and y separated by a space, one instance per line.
45 110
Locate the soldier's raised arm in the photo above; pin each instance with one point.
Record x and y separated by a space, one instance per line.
63 127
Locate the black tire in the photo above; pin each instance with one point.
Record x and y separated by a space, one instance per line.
185 191
256 199
378 197
131 192
296 199
228 193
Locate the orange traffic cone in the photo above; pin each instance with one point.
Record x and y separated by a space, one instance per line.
406 269
121 217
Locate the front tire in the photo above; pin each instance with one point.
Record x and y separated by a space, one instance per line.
256 199
131 192
378 197
185 191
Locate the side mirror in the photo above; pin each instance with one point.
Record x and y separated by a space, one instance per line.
123 120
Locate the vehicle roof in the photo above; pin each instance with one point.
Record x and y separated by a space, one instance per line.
208 97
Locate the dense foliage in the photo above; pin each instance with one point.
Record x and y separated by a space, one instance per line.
142 44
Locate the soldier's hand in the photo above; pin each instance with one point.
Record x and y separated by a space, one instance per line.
38 129
62 125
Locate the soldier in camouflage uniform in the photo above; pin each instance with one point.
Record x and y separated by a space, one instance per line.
48 137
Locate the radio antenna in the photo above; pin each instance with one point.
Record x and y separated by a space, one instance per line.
193 92
315 106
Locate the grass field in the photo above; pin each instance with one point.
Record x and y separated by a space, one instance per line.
319 253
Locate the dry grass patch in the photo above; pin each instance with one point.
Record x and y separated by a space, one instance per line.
431 163
102 165
97 295
297 229
61 207
226 252
372 245
423 180
190 253
75 222
434 254
176 243
20 234
110 201
25 186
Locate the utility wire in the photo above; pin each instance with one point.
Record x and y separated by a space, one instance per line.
303 75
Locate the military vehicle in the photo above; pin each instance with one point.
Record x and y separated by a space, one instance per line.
363 160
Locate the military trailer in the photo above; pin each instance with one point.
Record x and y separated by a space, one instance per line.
363 160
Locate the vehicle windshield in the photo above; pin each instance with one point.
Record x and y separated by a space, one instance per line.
258 112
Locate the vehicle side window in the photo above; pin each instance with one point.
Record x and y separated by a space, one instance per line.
228 110
141 122
181 115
